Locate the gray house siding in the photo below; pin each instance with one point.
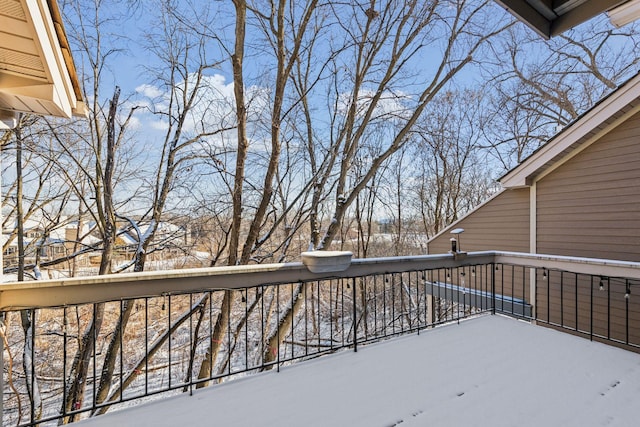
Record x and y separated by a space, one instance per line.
500 224
590 206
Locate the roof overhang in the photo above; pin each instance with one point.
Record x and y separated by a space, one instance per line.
606 115
552 17
37 74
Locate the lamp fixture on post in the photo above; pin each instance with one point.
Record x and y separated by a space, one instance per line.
456 247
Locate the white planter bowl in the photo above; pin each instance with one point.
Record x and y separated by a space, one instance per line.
326 261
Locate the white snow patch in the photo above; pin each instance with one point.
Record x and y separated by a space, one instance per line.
489 371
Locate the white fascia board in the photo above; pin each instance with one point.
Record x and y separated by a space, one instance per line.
47 42
519 177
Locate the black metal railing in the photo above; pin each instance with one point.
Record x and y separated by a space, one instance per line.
71 361
169 338
595 306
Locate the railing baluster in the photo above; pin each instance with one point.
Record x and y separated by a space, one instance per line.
355 314
393 303
146 345
384 305
169 307
591 310
318 313
293 322
342 328
513 292
33 361
121 351
306 321
626 311
562 298
246 328
65 325
95 351
493 289
191 341
549 297
576 295
608 308
277 331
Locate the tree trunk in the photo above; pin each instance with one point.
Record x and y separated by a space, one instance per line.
219 330
86 347
241 116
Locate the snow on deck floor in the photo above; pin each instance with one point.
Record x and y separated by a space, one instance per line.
487 371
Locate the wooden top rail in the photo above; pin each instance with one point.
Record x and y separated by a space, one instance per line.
94 289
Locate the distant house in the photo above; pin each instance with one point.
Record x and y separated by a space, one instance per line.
46 243
577 195
38 242
172 239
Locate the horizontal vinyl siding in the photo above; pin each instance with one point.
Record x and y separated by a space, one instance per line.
590 206
500 224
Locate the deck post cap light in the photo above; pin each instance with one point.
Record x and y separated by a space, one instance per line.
454 245
456 248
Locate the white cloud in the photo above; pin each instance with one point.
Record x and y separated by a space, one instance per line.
159 125
149 91
214 108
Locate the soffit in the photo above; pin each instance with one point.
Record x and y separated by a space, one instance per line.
37 74
552 17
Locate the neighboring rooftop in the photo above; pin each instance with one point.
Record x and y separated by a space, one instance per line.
489 370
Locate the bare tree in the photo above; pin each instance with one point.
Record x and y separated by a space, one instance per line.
448 153
237 63
384 42
186 106
542 86
366 77
104 139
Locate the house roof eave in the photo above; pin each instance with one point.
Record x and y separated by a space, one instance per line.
608 113
40 78
551 18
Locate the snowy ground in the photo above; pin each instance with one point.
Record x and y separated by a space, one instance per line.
487 371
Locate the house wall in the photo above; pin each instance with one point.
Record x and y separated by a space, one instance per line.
590 206
500 224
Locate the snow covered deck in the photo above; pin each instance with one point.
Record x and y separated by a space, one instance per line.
486 371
